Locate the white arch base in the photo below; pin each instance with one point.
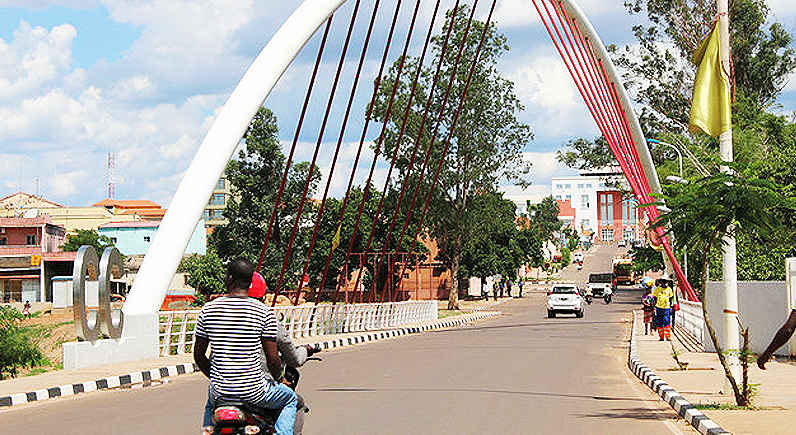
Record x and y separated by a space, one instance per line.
137 343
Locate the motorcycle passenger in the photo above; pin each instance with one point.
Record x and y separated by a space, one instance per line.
238 327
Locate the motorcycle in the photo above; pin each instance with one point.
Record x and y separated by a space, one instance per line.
234 417
608 295
587 298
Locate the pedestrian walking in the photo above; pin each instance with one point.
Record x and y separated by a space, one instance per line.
648 306
663 293
519 284
500 287
26 309
494 290
508 287
484 289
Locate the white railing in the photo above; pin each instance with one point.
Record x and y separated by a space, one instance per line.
176 327
690 318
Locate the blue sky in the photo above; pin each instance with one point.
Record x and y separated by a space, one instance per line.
144 79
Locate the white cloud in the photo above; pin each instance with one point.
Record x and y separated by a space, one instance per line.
35 58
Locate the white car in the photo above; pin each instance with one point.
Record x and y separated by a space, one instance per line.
577 257
564 298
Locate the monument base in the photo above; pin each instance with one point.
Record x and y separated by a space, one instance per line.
139 341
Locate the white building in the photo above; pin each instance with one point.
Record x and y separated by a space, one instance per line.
599 208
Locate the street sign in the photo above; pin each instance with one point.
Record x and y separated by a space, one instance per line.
35 260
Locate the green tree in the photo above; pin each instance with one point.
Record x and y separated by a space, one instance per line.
206 273
646 259
255 177
496 245
543 218
485 141
87 237
587 154
18 347
717 206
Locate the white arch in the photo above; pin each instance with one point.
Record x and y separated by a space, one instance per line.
189 201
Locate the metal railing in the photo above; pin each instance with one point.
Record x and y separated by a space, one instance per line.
177 337
690 318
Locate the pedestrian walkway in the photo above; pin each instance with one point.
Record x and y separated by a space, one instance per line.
702 383
58 383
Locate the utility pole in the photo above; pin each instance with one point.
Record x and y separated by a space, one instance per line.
729 254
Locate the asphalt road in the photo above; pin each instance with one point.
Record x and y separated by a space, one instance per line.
521 373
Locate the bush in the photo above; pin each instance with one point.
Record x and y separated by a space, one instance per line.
18 347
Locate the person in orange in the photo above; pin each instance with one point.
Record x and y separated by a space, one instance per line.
663 293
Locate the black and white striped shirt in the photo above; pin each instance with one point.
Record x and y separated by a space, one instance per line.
234 327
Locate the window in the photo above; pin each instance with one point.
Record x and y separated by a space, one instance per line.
558 186
206 214
588 186
584 223
113 240
607 234
584 201
146 239
3 241
221 183
567 186
217 199
606 209
218 214
569 198
580 186
558 197
30 239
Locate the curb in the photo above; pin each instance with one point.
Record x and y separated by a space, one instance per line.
693 416
147 376
129 379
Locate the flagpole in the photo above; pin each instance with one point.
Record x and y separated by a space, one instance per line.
729 253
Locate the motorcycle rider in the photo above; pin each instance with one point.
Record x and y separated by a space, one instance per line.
238 327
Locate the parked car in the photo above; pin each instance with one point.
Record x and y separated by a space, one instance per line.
599 283
577 257
622 243
564 298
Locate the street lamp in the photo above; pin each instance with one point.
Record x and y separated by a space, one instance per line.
676 180
679 154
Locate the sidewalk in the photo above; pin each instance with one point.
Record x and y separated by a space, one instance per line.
702 382
48 385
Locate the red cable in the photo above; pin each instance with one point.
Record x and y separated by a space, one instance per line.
295 141
315 154
415 147
431 142
359 148
351 95
447 141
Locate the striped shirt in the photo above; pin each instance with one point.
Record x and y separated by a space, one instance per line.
234 327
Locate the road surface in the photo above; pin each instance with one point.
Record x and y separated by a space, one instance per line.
521 373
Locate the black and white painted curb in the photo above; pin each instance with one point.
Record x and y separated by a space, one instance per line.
143 377
148 376
693 416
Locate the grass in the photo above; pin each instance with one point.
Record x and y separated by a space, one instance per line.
725 407
448 313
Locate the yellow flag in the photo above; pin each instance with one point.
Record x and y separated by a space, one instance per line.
336 239
711 104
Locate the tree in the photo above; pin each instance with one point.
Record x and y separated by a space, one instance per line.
17 343
496 245
87 237
660 75
255 177
587 154
543 218
484 142
206 273
717 206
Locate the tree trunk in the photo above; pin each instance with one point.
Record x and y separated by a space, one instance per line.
453 296
739 399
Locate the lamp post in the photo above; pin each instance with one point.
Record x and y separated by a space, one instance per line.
679 154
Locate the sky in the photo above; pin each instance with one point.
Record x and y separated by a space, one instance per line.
144 80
